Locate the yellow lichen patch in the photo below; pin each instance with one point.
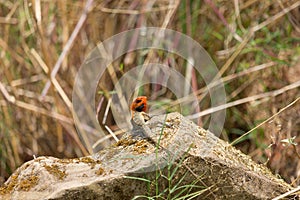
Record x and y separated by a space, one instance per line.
65 161
125 142
140 146
100 171
26 184
54 170
90 161
7 188
76 160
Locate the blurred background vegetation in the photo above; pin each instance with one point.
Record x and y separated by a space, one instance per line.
255 44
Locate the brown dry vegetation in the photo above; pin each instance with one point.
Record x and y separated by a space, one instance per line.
239 35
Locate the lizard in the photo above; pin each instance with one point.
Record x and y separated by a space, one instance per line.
139 119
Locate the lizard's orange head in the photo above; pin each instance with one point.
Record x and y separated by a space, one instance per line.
139 104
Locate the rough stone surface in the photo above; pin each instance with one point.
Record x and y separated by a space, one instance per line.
188 155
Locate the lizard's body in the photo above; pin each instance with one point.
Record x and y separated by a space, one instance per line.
139 120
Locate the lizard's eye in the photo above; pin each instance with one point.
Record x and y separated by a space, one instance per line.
138 101
140 108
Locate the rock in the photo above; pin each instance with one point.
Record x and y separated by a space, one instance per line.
188 161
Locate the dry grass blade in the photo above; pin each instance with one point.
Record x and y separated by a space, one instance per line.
223 80
40 61
26 93
247 72
221 16
4 20
61 92
6 94
267 120
241 46
106 111
6 47
287 194
24 81
134 12
238 15
33 108
111 133
172 9
37 8
43 111
67 47
276 17
246 100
